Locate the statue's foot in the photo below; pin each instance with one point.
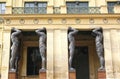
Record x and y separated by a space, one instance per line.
12 70
101 69
42 70
72 69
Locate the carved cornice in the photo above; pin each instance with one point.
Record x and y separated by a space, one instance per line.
60 16
58 21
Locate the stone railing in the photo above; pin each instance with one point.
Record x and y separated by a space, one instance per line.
83 10
29 10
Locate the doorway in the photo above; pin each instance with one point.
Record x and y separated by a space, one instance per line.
81 62
33 61
85 60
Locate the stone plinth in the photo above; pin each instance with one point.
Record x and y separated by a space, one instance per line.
42 74
72 74
101 75
12 75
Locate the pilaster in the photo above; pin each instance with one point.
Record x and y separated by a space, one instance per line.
5 54
108 54
9 7
49 9
1 47
117 8
60 54
101 2
50 57
63 9
8 10
104 9
115 53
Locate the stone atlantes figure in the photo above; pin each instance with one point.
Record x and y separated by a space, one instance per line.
97 32
71 38
14 49
42 45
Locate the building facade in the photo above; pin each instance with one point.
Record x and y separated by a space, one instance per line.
56 16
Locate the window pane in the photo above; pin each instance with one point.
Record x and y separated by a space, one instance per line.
80 4
29 4
83 4
39 5
32 5
26 5
112 3
42 4
2 8
71 4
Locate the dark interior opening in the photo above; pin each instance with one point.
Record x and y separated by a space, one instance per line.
81 62
33 61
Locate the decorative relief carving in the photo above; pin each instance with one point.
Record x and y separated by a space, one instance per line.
118 20
77 21
35 21
105 21
8 21
50 21
64 21
1 20
91 21
0 45
22 21
57 10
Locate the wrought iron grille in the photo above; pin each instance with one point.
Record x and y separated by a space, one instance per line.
29 10
83 10
111 9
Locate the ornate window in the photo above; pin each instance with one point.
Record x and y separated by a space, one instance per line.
81 8
111 6
2 7
77 7
35 7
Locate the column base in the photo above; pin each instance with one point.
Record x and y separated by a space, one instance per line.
72 74
101 74
42 74
12 75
